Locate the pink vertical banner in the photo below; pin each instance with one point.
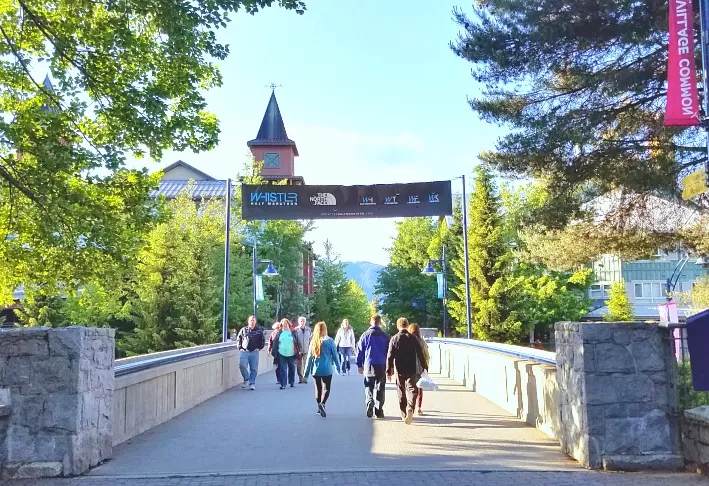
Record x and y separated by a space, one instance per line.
682 100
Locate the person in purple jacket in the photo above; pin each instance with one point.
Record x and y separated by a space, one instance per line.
372 352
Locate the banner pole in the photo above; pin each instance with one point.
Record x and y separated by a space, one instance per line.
225 304
704 38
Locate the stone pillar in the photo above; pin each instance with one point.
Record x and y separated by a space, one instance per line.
617 393
56 396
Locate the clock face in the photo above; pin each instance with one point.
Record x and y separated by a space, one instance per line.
271 160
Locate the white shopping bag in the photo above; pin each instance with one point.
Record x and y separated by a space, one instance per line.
426 383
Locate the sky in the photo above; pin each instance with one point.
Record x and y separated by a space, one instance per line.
370 92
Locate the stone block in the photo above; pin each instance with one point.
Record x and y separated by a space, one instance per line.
622 336
62 412
52 445
613 358
17 372
638 435
698 415
633 388
702 433
5 402
20 444
648 355
65 342
689 448
32 470
596 332
599 390
643 462
702 453
30 342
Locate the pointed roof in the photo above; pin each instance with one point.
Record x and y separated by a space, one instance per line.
189 168
272 131
47 84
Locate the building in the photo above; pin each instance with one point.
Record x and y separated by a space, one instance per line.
272 148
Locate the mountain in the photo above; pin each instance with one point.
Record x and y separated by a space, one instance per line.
365 274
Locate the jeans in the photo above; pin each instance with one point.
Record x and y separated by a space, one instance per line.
287 365
345 353
374 388
322 388
407 391
248 364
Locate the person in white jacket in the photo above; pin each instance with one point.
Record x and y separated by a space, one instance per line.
345 342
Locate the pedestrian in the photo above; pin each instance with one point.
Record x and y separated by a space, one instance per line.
404 350
303 336
250 341
371 362
345 342
415 330
321 358
232 334
274 330
286 346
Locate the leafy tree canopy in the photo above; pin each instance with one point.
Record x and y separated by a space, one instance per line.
129 78
619 306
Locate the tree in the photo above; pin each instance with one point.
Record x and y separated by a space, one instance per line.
619 307
582 91
330 286
490 260
129 80
178 284
355 307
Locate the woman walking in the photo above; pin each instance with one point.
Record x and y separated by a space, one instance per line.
321 358
275 328
416 331
286 346
345 343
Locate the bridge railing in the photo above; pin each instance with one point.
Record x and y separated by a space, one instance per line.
153 388
521 380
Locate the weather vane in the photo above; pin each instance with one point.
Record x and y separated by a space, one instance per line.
273 86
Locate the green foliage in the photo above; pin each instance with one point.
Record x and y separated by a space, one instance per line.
412 242
129 80
177 293
688 397
355 307
582 91
336 298
619 307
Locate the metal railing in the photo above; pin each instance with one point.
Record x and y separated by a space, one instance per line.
154 362
539 356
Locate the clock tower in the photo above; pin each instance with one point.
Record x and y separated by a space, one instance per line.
274 148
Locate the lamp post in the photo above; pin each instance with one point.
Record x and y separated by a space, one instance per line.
429 270
269 272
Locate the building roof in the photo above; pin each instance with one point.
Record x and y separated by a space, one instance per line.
180 163
202 189
272 131
643 312
47 84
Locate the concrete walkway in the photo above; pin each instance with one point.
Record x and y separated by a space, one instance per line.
273 436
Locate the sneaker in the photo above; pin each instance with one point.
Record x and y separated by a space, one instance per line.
283 387
252 387
370 409
379 414
403 416
409 417
321 407
419 412
292 385
244 385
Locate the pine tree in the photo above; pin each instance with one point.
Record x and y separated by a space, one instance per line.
619 307
490 259
331 284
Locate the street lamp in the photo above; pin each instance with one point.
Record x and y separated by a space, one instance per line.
429 270
269 272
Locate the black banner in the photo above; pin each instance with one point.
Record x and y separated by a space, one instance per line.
342 202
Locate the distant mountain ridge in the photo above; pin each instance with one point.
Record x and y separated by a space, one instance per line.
365 274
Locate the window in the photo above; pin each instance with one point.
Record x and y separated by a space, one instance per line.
271 160
649 290
599 291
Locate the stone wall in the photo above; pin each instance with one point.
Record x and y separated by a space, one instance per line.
617 394
56 389
695 438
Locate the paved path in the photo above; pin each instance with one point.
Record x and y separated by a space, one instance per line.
273 436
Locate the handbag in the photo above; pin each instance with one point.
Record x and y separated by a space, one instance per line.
426 383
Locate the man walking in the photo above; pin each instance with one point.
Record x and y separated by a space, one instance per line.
404 350
371 362
250 341
302 335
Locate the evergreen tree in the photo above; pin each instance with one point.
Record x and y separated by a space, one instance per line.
619 307
178 284
582 90
490 259
331 285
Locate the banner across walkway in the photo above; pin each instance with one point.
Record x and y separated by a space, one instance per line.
342 202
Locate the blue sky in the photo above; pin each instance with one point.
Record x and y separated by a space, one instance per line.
371 93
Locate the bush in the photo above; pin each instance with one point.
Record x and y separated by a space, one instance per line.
688 396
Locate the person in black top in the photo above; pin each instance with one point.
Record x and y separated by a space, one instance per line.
250 341
404 350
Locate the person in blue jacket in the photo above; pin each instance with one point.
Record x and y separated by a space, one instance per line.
322 360
372 352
